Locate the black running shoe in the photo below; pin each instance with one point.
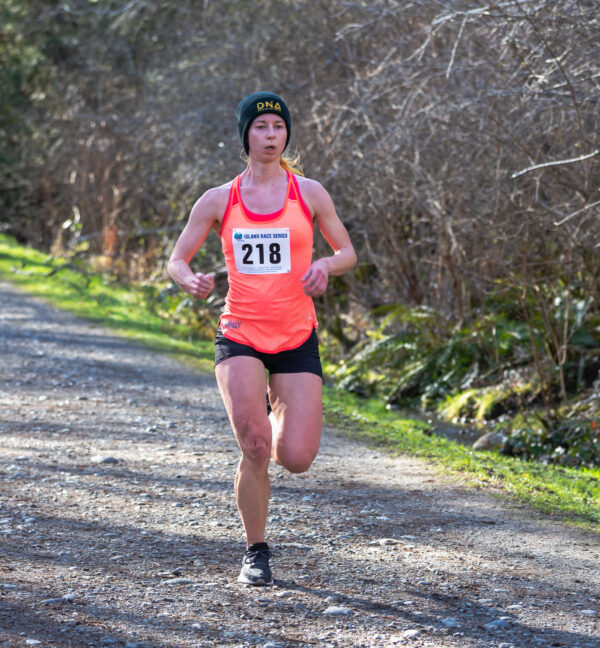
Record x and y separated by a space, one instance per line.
255 566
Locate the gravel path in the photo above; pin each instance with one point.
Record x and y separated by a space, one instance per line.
118 525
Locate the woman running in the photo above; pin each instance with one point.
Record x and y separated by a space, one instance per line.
266 339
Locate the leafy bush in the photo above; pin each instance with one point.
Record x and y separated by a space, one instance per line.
541 438
413 356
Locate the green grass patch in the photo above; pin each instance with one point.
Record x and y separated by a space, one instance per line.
572 493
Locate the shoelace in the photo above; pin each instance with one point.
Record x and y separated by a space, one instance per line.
259 555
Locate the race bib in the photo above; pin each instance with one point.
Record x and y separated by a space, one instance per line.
262 251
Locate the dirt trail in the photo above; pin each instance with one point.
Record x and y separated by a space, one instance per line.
118 524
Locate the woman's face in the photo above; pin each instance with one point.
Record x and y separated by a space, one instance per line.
266 136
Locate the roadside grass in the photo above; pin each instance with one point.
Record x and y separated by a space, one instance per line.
573 494
99 298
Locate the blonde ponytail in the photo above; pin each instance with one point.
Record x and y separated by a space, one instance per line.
292 164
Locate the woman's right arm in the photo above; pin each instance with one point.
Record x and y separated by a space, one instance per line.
205 214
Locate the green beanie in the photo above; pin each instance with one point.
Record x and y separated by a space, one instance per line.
258 104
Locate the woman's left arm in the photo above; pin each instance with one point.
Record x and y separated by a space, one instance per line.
315 279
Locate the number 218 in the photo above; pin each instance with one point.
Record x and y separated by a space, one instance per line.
274 253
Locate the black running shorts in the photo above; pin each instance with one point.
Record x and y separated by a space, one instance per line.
304 358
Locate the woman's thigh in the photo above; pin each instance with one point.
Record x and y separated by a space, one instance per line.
296 401
242 382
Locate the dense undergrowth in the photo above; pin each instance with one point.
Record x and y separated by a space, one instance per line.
161 317
505 369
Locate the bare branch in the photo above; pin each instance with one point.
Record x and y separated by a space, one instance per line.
545 165
460 31
575 213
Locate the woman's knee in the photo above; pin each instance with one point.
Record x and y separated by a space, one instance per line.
255 446
296 461
253 434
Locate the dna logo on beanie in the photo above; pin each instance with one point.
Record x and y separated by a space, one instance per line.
259 103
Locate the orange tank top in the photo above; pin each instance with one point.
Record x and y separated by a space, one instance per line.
266 256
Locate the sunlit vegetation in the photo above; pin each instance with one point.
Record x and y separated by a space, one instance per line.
459 141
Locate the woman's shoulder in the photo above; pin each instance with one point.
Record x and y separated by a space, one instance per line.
309 186
219 193
313 193
215 199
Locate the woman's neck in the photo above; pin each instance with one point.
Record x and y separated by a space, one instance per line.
258 173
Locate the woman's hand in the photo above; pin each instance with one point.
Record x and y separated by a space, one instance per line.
199 285
315 279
